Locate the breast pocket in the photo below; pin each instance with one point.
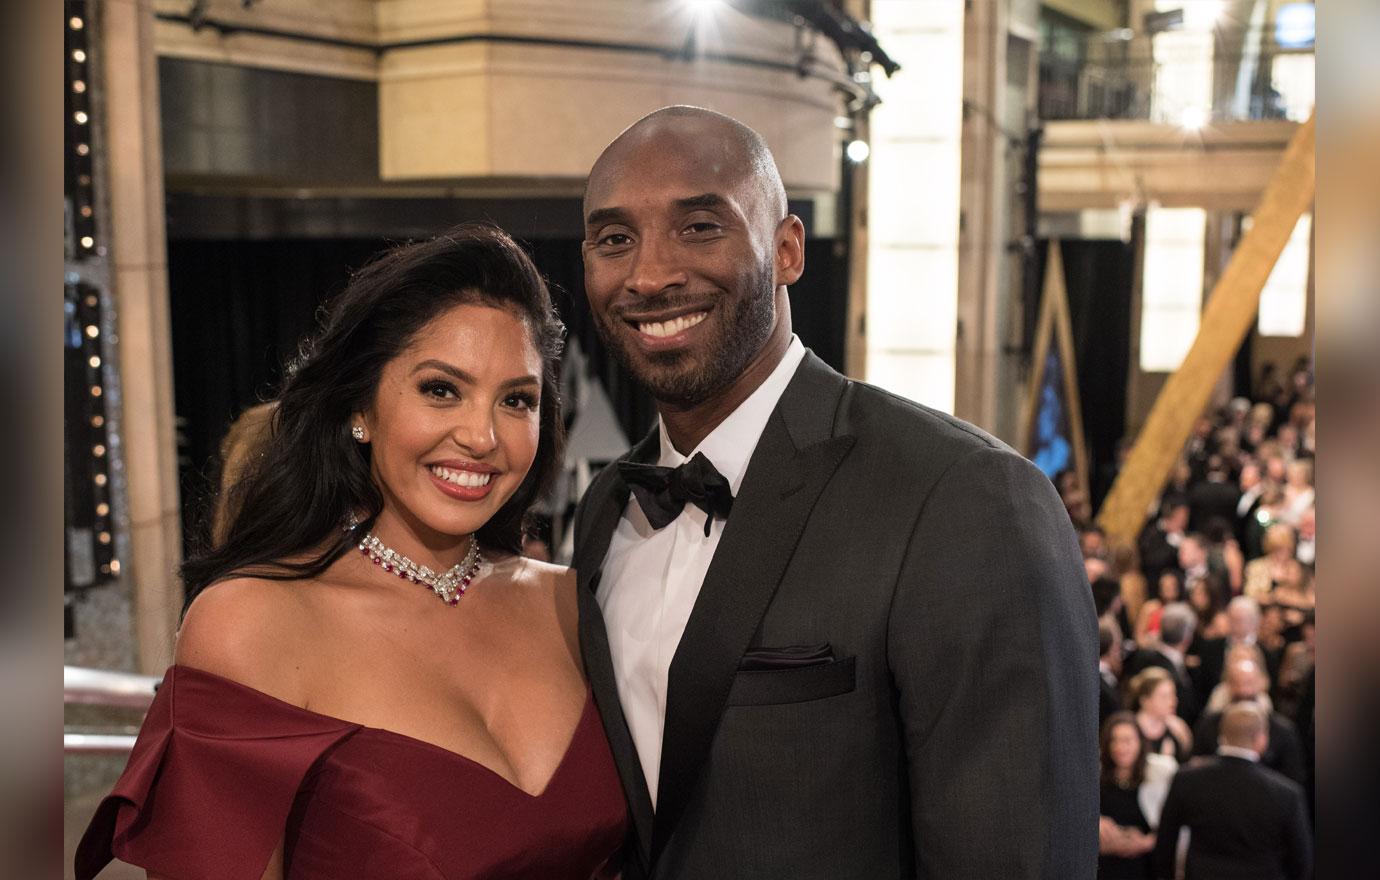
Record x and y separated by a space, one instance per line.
767 687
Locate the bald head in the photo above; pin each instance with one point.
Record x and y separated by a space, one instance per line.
1243 726
719 144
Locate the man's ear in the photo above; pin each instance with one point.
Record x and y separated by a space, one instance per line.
789 262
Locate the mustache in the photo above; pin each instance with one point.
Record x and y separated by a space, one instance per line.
639 310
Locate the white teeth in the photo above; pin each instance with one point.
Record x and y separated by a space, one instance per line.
661 329
468 479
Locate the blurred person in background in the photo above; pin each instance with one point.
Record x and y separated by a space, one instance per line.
1247 682
1245 821
1293 593
1178 622
1214 497
1169 588
1154 700
1306 547
1263 572
1159 542
1298 491
1125 837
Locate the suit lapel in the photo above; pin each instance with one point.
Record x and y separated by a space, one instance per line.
599 519
793 461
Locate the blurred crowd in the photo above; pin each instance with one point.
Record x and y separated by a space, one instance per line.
1207 635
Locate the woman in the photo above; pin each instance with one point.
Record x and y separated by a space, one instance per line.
1124 833
369 680
1154 700
1169 587
1263 573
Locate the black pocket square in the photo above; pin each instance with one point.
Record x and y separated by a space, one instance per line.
789 657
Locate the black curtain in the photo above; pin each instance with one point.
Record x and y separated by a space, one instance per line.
1098 276
239 311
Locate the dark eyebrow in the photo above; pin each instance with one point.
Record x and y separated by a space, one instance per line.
605 215
461 375
703 200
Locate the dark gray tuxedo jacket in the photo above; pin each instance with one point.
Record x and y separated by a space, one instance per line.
950 728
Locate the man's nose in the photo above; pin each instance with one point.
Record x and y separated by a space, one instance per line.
656 267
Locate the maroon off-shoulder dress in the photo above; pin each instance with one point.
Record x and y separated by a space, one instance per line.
221 773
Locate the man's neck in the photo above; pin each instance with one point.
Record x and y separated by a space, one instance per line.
686 427
1238 752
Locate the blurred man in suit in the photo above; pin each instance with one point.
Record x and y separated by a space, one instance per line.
1246 822
1178 622
1246 683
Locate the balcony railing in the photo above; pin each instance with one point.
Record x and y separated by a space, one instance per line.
102 687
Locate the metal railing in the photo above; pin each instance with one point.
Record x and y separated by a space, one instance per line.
102 687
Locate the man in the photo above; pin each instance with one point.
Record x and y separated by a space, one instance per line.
850 636
1177 625
1246 684
1213 498
1246 821
1243 629
1159 541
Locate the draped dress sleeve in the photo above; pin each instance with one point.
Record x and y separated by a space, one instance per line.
210 782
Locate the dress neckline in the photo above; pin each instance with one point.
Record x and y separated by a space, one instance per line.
585 715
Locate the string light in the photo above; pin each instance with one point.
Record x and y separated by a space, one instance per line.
100 479
115 566
79 56
105 537
76 23
86 210
87 241
81 117
83 149
102 509
95 361
96 391
79 86
98 450
92 331
97 421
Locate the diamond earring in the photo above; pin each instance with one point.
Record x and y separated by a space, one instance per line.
357 432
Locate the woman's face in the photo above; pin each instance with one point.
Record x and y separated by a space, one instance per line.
1162 701
1123 746
454 425
1169 588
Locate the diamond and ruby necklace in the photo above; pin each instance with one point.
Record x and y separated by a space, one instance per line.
448 586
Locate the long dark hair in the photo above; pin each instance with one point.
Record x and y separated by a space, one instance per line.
288 511
1115 720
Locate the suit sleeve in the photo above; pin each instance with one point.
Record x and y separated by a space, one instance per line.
1290 750
992 644
1298 840
1167 836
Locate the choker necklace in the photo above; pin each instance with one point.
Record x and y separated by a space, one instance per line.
449 586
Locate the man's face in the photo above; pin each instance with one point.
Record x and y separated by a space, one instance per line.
680 267
1191 554
1243 682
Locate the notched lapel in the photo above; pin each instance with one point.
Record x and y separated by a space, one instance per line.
779 490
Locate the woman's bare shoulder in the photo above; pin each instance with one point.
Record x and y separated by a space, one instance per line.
250 630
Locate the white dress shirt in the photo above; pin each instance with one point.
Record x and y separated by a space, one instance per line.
651 577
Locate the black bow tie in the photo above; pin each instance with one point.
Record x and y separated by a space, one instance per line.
662 492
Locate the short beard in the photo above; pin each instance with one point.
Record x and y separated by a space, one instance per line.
675 378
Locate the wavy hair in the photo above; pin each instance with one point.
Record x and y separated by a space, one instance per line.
290 506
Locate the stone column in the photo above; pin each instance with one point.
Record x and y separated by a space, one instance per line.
137 253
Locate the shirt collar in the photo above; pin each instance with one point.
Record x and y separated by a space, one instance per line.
1238 752
730 444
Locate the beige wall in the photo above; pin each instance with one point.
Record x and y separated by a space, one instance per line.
528 112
